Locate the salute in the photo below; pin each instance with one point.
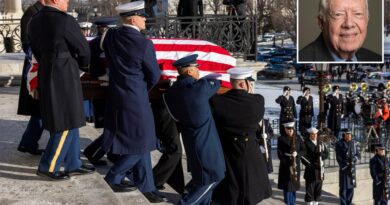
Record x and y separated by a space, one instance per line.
336 110
306 113
316 152
288 111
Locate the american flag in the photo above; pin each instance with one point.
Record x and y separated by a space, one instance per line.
212 59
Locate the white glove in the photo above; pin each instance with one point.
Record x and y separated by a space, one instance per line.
265 136
262 149
342 116
294 154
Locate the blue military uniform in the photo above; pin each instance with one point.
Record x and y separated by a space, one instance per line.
129 124
346 182
379 165
188 102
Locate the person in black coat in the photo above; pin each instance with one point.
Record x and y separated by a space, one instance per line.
61 51
189 8
335 104
288 112
379 170
316 152
237 114
347 154
306 112
27 104
290 150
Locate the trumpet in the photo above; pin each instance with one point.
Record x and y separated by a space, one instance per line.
388 85
363 86
327 88
353 87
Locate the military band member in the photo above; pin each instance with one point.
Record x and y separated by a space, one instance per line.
61 50
27 104
316 152
347 154
288 112
246 180
188 102
336 107
290 150
379 170
129 123
306 112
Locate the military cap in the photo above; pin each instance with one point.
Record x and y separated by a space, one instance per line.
135 8
186 61
85 25
241 73
106 21
346 131
305 89
286 88
379 146
335 87
312 130
289 124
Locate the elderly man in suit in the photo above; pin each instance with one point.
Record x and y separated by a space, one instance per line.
188 102
129 124
344 29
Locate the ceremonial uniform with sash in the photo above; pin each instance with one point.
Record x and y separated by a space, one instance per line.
288 112
129 124
61 50
188 102
347 167
27 105
306 112
286 154
237 114
379 170
316 152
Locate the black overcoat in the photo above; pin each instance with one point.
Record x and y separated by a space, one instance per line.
288 111
61 50
27 105
377 171
312 155
188 101
129 124
237 115
284 149
306 113
336 110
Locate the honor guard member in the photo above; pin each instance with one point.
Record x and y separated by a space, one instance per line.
61 50
85 28
246 180
27 104
288 112
316 152
346 155
379 170
128 126
306 112
98 68
335 104
188 102
290 150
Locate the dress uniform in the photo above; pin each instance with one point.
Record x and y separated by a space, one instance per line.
290 150
129 124
335 104
98 68
237 114
61 50
379 170
306 112
188 102
346 155
316 152
27 105
288 112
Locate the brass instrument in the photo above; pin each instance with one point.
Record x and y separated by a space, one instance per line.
388 85
351 162
353 87
327 88
293 166
363 86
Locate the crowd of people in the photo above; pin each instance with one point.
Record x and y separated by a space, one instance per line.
224 135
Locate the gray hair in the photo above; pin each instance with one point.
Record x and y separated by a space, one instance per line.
323 9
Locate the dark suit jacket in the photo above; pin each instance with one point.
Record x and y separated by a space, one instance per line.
317 51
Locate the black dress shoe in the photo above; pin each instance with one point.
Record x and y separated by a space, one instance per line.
122 187
31 151
57 176
96 162
162 187
154 197
83 169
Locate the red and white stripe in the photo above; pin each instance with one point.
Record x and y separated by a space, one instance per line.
32 75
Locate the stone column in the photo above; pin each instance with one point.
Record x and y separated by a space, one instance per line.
13 9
